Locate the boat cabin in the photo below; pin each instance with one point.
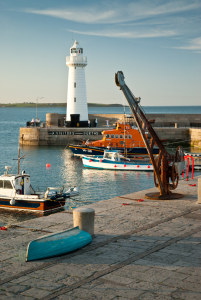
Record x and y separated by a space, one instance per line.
111 155
124 135
10 184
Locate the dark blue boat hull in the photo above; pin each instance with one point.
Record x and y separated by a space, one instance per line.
84 150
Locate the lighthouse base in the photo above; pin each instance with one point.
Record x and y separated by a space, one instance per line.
75 121
79 124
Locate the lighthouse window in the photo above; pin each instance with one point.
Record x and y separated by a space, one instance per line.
74 99
73 50
74 84
81 50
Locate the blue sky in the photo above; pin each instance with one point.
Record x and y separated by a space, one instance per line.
157 44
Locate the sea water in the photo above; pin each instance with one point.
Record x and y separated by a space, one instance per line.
66 170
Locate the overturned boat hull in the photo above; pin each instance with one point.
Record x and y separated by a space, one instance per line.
57 244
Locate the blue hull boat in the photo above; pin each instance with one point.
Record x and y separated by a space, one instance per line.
57 243
89 150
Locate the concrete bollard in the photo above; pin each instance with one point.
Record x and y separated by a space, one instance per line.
84 218
199 191
176 126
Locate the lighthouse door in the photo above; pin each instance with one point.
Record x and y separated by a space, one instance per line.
75 120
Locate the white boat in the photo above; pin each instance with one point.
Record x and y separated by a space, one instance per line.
112 160
16 192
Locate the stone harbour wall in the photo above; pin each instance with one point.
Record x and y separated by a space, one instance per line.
195 137
51 134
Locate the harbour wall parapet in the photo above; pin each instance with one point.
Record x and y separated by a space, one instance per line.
50 134
161 120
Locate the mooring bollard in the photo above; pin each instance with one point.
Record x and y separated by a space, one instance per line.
199 190
84 218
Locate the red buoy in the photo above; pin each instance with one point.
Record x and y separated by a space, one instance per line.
3 228
48 165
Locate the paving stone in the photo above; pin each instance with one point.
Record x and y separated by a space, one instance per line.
81 293
186 295
42 284
14 288
118 279
189 286
69 270
48 275
195 279
11 296
35 293
21 279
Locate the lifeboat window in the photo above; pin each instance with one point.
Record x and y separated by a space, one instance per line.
121 136
112 136
107 136
1 183
7 184
126 136
116 136
130 136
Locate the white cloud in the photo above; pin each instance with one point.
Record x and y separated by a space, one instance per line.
194 44
117 12
128 34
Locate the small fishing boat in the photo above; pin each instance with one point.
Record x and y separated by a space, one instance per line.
124 138
16 192
112 160
57 243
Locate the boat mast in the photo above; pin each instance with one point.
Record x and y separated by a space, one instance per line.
18 159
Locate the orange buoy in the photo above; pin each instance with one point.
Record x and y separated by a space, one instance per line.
48 165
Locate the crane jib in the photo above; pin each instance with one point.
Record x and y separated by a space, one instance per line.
165 166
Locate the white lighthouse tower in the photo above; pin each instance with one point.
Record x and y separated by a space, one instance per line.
77 110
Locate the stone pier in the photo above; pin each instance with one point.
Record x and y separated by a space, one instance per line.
143 250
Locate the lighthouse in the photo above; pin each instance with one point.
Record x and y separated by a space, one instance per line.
77 110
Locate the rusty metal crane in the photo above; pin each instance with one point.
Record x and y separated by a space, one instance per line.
167 167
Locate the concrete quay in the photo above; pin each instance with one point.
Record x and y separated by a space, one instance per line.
144 250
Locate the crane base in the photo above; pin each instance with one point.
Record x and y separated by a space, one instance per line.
157 196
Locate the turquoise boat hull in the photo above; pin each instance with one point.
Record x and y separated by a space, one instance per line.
57 243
